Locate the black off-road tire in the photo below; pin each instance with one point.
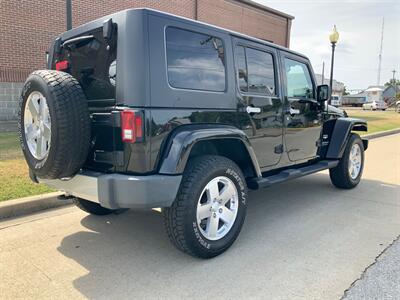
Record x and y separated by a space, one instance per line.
92 207
180 218
340 175
70 124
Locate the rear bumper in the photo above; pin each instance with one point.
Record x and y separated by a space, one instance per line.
120 191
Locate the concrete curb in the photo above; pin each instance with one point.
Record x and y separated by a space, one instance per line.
28 205
381 134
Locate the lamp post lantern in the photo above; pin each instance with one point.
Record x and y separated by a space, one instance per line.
333 37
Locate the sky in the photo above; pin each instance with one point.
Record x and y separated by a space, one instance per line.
359 25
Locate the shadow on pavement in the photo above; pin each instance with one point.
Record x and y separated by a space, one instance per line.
298 237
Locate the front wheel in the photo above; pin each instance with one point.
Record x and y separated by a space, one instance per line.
347 174
208 213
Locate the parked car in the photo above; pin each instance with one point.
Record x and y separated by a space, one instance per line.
374 105
336 100
143 109
397 106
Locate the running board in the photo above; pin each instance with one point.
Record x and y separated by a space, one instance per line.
288 174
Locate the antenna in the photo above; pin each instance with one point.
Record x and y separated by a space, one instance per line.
380 54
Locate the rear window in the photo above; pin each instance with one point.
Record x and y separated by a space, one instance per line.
92 62
195 60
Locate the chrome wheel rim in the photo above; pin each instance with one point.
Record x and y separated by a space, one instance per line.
355 160
217 208
37 125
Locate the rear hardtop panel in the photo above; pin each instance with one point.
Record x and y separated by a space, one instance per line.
132 84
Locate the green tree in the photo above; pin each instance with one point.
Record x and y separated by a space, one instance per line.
391 82
345 92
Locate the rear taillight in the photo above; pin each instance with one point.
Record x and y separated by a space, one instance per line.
62 65
131 126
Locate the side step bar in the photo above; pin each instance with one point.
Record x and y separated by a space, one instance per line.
288 174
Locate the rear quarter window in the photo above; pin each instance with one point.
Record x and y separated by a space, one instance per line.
195 60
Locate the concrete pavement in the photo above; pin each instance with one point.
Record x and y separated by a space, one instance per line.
301 240
381 280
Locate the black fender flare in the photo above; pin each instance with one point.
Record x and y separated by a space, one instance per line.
341 133
181 141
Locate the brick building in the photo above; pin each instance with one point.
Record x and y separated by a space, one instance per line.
27 28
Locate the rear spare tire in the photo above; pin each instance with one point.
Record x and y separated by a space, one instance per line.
54 124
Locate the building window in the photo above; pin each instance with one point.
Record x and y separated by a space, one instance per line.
195 60
255 71
299 83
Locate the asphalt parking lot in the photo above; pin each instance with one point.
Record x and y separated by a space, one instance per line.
301 240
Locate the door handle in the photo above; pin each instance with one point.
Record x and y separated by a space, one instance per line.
253 110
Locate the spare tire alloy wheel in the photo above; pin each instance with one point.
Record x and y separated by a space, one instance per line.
54 124
37 125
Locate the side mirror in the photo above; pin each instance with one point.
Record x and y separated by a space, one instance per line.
323 92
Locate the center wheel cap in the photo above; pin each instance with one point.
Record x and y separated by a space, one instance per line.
215 206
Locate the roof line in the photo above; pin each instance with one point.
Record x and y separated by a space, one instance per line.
266 8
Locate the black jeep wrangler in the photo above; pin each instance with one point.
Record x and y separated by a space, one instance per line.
142 109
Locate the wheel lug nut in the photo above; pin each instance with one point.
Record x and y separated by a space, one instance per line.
220 210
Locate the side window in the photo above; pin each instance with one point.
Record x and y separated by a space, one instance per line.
255 71
194 60
299 83
260 67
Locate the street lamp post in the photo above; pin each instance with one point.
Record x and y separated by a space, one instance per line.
69 13
334 37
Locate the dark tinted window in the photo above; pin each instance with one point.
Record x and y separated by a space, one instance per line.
299 83
255 71
195 60
260 68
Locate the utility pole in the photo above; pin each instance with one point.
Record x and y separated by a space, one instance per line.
323 72
380 54
69 13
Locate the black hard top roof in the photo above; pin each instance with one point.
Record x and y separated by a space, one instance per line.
98 22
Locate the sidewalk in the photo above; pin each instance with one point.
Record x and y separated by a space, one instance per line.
381 280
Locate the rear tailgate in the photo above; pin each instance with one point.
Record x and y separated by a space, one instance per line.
91 59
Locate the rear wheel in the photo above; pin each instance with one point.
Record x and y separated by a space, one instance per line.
92 207
347 174
210 207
